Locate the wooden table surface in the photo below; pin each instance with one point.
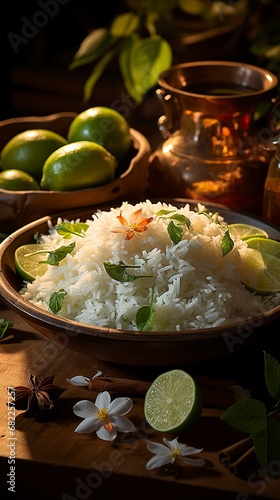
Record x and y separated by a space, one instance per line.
54 462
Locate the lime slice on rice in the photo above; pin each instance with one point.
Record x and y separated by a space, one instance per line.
265 245
173 402
28 262
244 231
261 271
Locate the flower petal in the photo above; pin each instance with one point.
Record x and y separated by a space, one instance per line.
106 435
123 220
159 461
189 450
120 406
79 380
122 424
103 400
174 443
85 409
88 425
157 448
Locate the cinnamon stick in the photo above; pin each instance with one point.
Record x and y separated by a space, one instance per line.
120 385
230 454
236 456
243 460
216 393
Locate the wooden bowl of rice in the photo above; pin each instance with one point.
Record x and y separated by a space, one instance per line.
18 208
136 348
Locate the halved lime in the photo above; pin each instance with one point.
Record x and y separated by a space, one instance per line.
265 245
261 272
243 231
173 402
28 260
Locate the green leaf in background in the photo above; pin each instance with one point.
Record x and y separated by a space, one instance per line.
56 300
267 443
67 229
118 272
125 25
95 45
124 63
175 232
227 243
144 316
148 57
247 416
56 256
193 7
272 376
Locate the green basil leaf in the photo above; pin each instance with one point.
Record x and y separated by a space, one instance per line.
118 272
148 58
144 316
175 232
4 325
272 376
267 443
95 45
125 24
247 416
56 300
227 243
56 256
67 229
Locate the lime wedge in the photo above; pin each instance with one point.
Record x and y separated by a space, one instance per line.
265 245
261 272
173 402
28 262
244 231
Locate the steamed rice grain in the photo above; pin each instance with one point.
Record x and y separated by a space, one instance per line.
192 285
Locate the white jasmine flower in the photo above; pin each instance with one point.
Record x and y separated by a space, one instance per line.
170 452
104 417
80 380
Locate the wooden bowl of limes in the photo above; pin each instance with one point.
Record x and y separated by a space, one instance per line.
23 205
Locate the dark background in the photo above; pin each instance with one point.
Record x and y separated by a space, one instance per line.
35 75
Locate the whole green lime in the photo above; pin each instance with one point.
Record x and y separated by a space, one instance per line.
29 150
106 127
78 165
17 180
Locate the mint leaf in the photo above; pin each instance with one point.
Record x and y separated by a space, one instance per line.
56 300
175 232
56 256
246 416
144 317
162 212
272 376
227 243
267 443
118 272
67 229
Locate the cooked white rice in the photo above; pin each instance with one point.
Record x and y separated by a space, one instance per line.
192 284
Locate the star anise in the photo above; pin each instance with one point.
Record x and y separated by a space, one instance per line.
39 398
